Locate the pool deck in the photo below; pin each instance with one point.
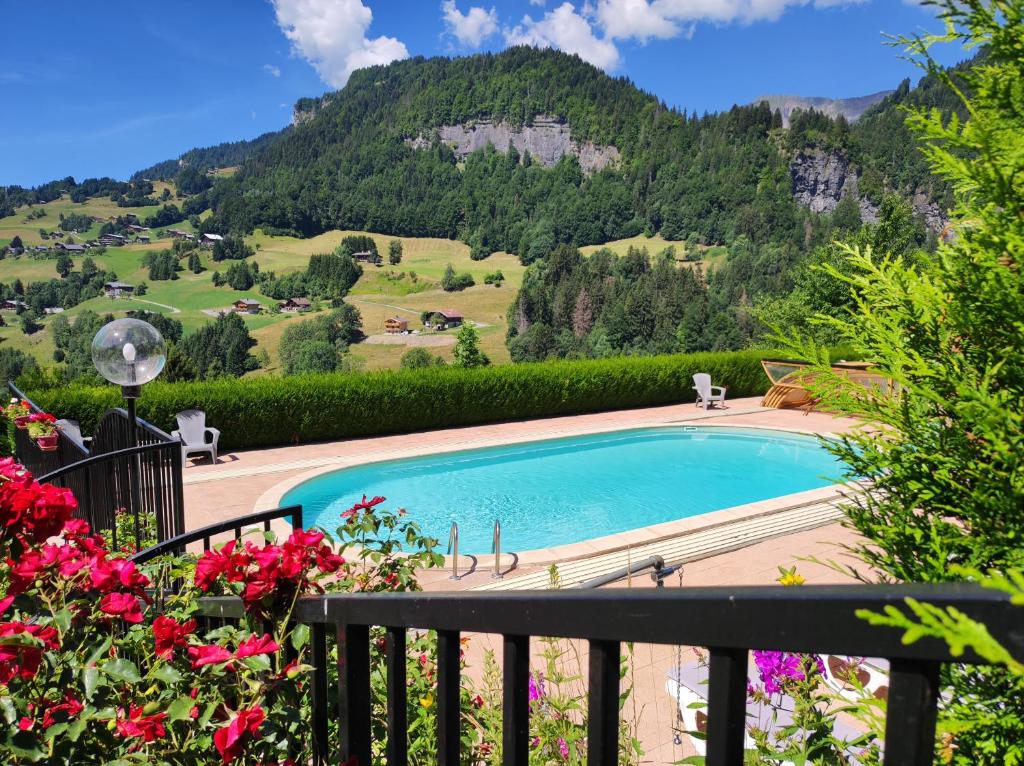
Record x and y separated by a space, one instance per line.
743 546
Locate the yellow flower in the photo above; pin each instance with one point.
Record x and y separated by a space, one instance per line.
790 577
427 701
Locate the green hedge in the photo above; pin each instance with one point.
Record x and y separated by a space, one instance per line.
270 411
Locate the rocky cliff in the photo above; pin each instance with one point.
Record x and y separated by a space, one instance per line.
546 140
850 108
821 179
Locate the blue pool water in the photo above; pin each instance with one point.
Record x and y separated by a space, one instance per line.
563 491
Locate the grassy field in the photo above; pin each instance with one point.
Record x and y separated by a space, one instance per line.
405 290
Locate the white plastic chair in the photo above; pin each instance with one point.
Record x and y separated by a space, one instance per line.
194 435
706 395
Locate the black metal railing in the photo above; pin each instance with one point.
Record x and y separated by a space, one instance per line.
103 486
728 621
179 543
111 475
70 447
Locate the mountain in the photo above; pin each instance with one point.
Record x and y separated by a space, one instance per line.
224 155
850 108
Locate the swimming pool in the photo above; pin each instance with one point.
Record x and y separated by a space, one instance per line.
562 491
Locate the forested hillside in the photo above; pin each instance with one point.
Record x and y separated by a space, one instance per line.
717 177
227 154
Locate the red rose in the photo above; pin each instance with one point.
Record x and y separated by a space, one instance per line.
225 562
365 505
148 727
70 707
307 538
123 605
228 739
22 660
168 633
111 574
208 655
254 645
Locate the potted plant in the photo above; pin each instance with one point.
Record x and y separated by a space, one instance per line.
18 412
42 427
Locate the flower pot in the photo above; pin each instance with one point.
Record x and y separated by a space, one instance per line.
21 421
47 443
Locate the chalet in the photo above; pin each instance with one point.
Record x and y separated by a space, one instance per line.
71 247
118 289
396 325
247 306
12 305
143 239
209 240
42 249
53 310
135 227
366 255
112 240
296 304
179 234
442 319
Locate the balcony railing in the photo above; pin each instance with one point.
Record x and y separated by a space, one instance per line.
728 621
108 475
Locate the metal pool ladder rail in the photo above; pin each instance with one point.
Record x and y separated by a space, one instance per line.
496 550
453 549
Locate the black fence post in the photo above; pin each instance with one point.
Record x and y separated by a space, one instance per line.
448 708
727 707
911 714
354 692
603 705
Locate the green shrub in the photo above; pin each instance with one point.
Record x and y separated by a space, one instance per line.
264 412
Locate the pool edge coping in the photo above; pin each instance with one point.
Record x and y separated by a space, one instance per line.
603 544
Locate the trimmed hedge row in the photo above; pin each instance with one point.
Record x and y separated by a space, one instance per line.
265 412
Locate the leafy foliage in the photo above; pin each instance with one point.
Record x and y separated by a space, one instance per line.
943 452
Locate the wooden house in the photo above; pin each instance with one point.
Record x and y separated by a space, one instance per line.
247 306
209 240
118 289
396 325
443 319
296 304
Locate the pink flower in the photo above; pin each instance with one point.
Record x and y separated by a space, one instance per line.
563 748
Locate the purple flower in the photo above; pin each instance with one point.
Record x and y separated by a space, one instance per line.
536 687
563 748
776 668
535 743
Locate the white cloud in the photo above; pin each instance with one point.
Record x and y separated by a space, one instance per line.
331 35
645 19
565 29
272 70
538 3
470 28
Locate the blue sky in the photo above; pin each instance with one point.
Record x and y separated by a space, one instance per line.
93 89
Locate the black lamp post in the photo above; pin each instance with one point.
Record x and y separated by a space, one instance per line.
130 353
